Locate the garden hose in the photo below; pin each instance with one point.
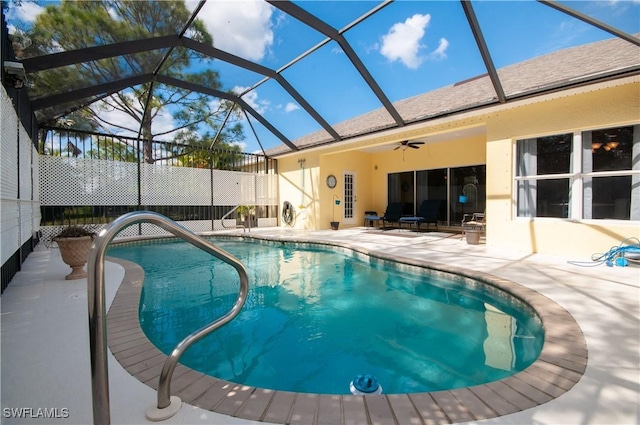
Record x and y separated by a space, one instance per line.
628 252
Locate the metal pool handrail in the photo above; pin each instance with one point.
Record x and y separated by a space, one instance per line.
244 228
97 313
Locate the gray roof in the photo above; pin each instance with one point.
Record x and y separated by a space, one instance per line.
561 69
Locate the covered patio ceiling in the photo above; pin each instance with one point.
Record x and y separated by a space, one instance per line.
321 26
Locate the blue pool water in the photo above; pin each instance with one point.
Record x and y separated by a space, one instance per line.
315 318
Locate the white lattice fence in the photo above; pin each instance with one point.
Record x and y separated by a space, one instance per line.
266 189
234 188
167 185
78 181
93 182
193 225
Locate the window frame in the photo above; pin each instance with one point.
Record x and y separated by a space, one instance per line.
576 176
571 176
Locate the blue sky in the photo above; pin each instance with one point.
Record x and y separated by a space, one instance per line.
410 47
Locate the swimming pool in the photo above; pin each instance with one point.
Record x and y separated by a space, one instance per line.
315 331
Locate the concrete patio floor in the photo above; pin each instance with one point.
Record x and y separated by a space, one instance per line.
45 355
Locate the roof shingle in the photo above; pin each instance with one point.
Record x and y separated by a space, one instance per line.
564 67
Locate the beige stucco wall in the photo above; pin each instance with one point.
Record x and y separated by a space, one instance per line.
359 164
313 199
453 153
370 169
298 184
609 105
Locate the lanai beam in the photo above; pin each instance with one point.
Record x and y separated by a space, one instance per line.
227 96
317 24
484 50
88 54
86 92
262 70
589 20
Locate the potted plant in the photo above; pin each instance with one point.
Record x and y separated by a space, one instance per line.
74 243
247 215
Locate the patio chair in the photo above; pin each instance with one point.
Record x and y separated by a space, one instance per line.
428 212
371 217
473 221
393 214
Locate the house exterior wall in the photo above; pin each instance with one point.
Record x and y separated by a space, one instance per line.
605 105
303 184
357 163
453 153
298 185
370 169
592 109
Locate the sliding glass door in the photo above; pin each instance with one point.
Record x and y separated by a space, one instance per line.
462 190
468 191
432 185
401 188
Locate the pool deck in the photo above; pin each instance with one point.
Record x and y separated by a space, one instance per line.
45 356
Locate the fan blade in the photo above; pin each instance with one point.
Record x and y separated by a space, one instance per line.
396 148
414 147
416 143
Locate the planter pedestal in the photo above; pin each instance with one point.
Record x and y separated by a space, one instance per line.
75 252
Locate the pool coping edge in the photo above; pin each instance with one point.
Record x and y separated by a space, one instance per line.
561 364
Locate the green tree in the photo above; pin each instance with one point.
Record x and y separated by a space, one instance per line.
201 152
73 25
114 149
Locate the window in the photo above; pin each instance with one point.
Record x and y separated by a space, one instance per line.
584 175
544 165
611 190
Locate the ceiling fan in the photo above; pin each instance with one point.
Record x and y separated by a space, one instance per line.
407 144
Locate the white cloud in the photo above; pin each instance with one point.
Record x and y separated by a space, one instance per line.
162 123
618 7
241 145
27 12
402 42
290 107
241 27
252 99
441 51
113 14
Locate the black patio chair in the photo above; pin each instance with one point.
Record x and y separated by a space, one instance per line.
428 212
393 214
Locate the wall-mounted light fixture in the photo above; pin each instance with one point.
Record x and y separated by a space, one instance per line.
14 73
